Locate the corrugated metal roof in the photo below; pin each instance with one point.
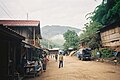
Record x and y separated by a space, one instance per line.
23 23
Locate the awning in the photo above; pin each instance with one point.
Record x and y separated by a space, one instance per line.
27 45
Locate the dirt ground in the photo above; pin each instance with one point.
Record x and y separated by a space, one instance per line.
75 69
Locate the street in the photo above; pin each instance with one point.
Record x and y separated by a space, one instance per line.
75 69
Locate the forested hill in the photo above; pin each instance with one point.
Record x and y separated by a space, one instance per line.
51 31
54 34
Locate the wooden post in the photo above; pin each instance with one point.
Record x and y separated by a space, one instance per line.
34 35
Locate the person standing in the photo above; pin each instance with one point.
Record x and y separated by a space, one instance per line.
60 60
44 63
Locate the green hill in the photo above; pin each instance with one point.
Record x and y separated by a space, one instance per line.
53 35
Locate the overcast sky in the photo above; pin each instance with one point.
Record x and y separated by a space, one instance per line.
49 12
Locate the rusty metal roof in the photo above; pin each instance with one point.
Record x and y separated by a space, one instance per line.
23 23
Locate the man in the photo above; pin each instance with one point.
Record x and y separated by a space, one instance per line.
60 60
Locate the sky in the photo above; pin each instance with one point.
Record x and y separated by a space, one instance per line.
49 12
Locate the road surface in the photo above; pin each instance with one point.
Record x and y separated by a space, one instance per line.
75 69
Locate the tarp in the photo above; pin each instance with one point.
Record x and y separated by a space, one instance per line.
61 51
72 53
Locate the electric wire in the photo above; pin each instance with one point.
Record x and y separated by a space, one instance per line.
5 11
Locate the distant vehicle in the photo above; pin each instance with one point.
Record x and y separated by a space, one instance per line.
84 54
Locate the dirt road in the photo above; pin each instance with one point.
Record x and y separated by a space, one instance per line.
75 69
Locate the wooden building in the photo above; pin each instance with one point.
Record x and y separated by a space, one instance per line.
29 35
10 51
54 51
30 29
110 36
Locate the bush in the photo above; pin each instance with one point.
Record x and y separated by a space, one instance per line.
106 53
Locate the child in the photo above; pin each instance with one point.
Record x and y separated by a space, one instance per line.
56 56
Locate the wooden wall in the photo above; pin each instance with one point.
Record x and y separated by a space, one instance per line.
53 51
111 37
10 44
3 59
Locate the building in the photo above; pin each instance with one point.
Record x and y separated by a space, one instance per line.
54 51
110 36
30 29
19 52
10 49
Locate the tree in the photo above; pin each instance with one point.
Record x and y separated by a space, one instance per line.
107 13
71 39
90 36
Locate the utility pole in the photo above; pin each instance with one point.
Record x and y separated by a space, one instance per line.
27 16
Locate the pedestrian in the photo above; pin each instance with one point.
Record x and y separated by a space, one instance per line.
44 63
60 60
56 56
53 56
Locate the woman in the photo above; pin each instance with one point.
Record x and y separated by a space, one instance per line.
44 63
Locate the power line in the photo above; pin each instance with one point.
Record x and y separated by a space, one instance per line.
6 8
5 11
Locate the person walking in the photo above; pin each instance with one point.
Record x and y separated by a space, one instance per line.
60 60
56 57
